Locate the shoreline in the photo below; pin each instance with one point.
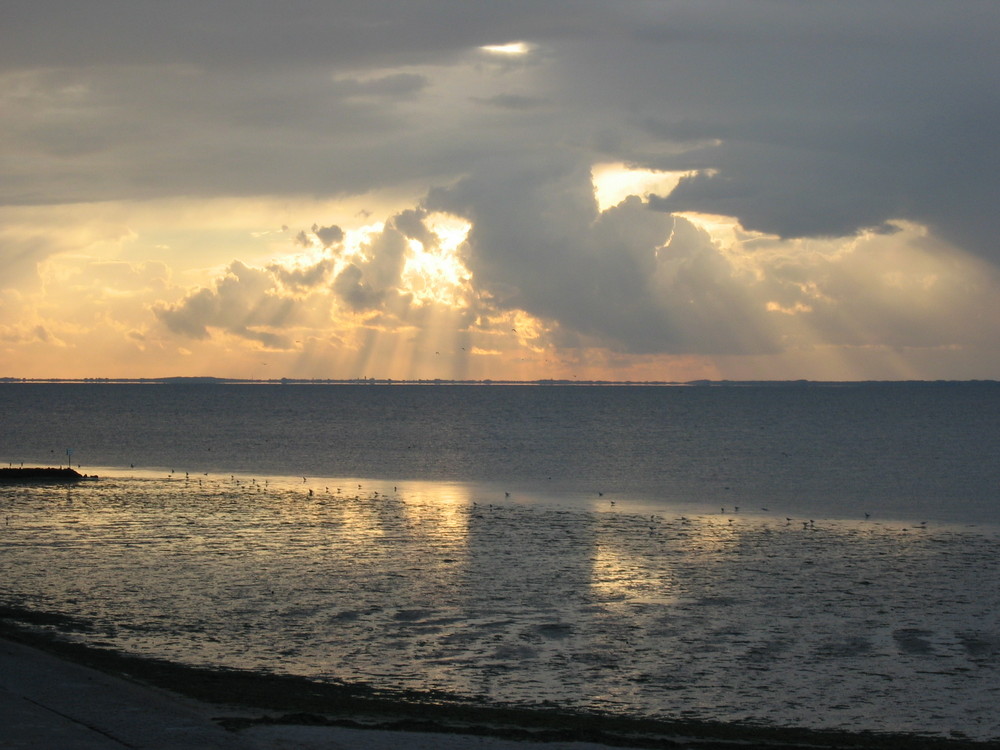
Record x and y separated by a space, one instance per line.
537 494
252 699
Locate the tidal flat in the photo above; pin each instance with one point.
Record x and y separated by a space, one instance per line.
737 618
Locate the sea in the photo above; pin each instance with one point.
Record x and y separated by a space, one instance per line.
789 554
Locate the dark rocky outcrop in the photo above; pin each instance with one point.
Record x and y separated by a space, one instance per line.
41 474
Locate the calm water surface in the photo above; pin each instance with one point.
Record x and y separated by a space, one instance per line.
907 451
519 544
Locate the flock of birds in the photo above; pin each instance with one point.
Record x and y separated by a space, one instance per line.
806 524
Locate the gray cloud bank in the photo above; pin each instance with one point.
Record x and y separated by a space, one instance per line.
800 119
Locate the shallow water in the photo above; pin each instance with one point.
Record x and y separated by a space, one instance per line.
907 451
579 545
863 624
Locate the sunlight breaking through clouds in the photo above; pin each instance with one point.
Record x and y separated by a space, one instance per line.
512 49
650 194
416 296
614 182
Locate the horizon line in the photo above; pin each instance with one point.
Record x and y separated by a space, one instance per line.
209 379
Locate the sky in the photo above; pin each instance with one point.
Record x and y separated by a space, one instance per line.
576 189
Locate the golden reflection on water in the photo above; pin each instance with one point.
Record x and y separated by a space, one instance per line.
624 569
433 586
620 575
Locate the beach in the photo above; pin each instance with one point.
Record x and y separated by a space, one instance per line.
60 694
736 617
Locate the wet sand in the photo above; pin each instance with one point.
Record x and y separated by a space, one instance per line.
727 618
249 703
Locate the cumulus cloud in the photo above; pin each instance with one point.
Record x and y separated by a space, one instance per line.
261 304
902 289
373 278
640 281
352 288
244 302
301 278
637 280
849 144
328 236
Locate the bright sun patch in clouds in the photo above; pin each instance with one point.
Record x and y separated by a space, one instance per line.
614 182
511 49
434 271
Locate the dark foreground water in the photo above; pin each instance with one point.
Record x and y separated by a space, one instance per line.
527 544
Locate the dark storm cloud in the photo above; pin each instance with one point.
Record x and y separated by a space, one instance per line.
822 118
629 277
807 118
300 32
801 119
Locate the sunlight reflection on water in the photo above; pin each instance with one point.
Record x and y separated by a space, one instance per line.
458 588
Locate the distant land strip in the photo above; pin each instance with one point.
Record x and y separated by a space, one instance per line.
208 380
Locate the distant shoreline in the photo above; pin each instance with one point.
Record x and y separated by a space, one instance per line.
208 380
